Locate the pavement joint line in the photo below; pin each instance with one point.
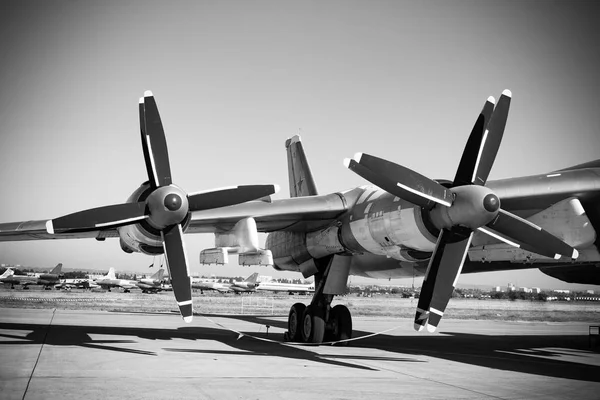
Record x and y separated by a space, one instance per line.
435 381
39 354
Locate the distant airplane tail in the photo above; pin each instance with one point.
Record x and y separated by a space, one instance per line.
158 275
57 270
111 274
300 178
7 273
252 278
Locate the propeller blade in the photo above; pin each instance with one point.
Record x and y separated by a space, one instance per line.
178 269
468 161
99 218
147 159
491 139
531 237
400 181
156 143
442 274
229 196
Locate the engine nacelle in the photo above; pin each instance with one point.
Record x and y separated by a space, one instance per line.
143 237
380 223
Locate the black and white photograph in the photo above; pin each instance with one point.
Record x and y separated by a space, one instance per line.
342 199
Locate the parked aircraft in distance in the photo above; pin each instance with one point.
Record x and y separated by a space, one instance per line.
291 288
46 280
79 283
110 281
153 284
406 225
247 285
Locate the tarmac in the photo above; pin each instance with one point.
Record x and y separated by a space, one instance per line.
51 353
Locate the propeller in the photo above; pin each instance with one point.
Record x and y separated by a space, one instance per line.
165 208
467 205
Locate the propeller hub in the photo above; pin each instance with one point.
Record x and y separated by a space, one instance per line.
491 202
473 207
172 202
168 205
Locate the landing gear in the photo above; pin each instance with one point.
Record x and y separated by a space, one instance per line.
295 324
340 324
313 325
318 322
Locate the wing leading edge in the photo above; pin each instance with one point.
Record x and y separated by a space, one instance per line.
296 214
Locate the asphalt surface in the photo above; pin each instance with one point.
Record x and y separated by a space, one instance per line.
48 354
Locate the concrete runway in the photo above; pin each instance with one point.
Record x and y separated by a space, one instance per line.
65 354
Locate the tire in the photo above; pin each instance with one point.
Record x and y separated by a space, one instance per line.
313 325
341 324
295 322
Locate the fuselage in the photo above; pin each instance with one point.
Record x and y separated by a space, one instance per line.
41 279
285 287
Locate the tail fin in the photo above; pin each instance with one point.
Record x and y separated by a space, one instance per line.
252 278
7 273
300 178
57 269
158 275
111 274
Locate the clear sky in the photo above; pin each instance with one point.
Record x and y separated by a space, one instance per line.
403 80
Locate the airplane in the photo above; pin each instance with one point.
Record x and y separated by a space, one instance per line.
110 280
404 225
46 280
79 283
153 218
291 288
153 284
408 225
247 285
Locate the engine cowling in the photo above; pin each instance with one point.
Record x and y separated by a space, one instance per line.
379 223
143 237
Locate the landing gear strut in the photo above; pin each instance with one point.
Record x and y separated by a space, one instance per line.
318 322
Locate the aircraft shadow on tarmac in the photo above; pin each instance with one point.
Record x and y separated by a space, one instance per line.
539 355
533 354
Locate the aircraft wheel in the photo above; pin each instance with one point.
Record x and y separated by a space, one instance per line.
341 324
313 325
25 288
295 322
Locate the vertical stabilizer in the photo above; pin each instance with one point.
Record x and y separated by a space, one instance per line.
7 273
158 275
57 270
111 274
300 178
252 278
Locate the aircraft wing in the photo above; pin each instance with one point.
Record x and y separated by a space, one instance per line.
36 230
296 214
